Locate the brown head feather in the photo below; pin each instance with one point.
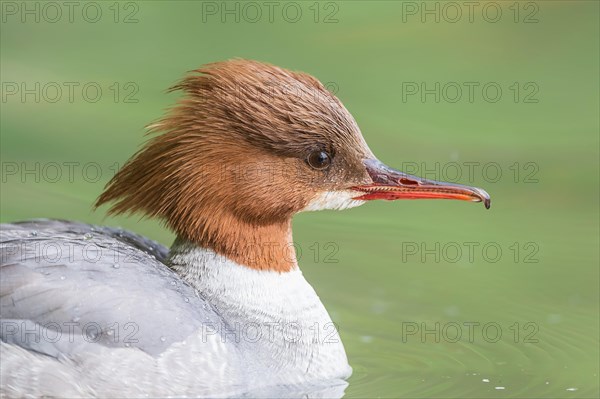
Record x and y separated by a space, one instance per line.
228 169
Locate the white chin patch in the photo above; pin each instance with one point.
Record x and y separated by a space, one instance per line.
337 200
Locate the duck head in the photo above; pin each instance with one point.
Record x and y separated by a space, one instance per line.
248 146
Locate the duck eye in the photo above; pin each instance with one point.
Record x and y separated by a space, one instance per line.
319 160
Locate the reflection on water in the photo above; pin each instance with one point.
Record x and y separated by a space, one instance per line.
327 389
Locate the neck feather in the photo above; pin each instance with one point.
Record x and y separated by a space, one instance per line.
257 246
231 286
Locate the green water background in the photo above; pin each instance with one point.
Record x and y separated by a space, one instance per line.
388 272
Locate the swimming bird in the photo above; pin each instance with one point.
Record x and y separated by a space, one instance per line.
99 311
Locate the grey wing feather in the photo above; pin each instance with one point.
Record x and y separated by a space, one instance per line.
68 286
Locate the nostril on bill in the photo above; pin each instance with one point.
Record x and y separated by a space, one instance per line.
408 182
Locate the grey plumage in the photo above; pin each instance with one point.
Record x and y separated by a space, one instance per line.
65 272
89 310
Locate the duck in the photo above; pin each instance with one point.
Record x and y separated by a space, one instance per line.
99 311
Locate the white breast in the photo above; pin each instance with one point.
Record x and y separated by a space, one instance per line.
276 319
